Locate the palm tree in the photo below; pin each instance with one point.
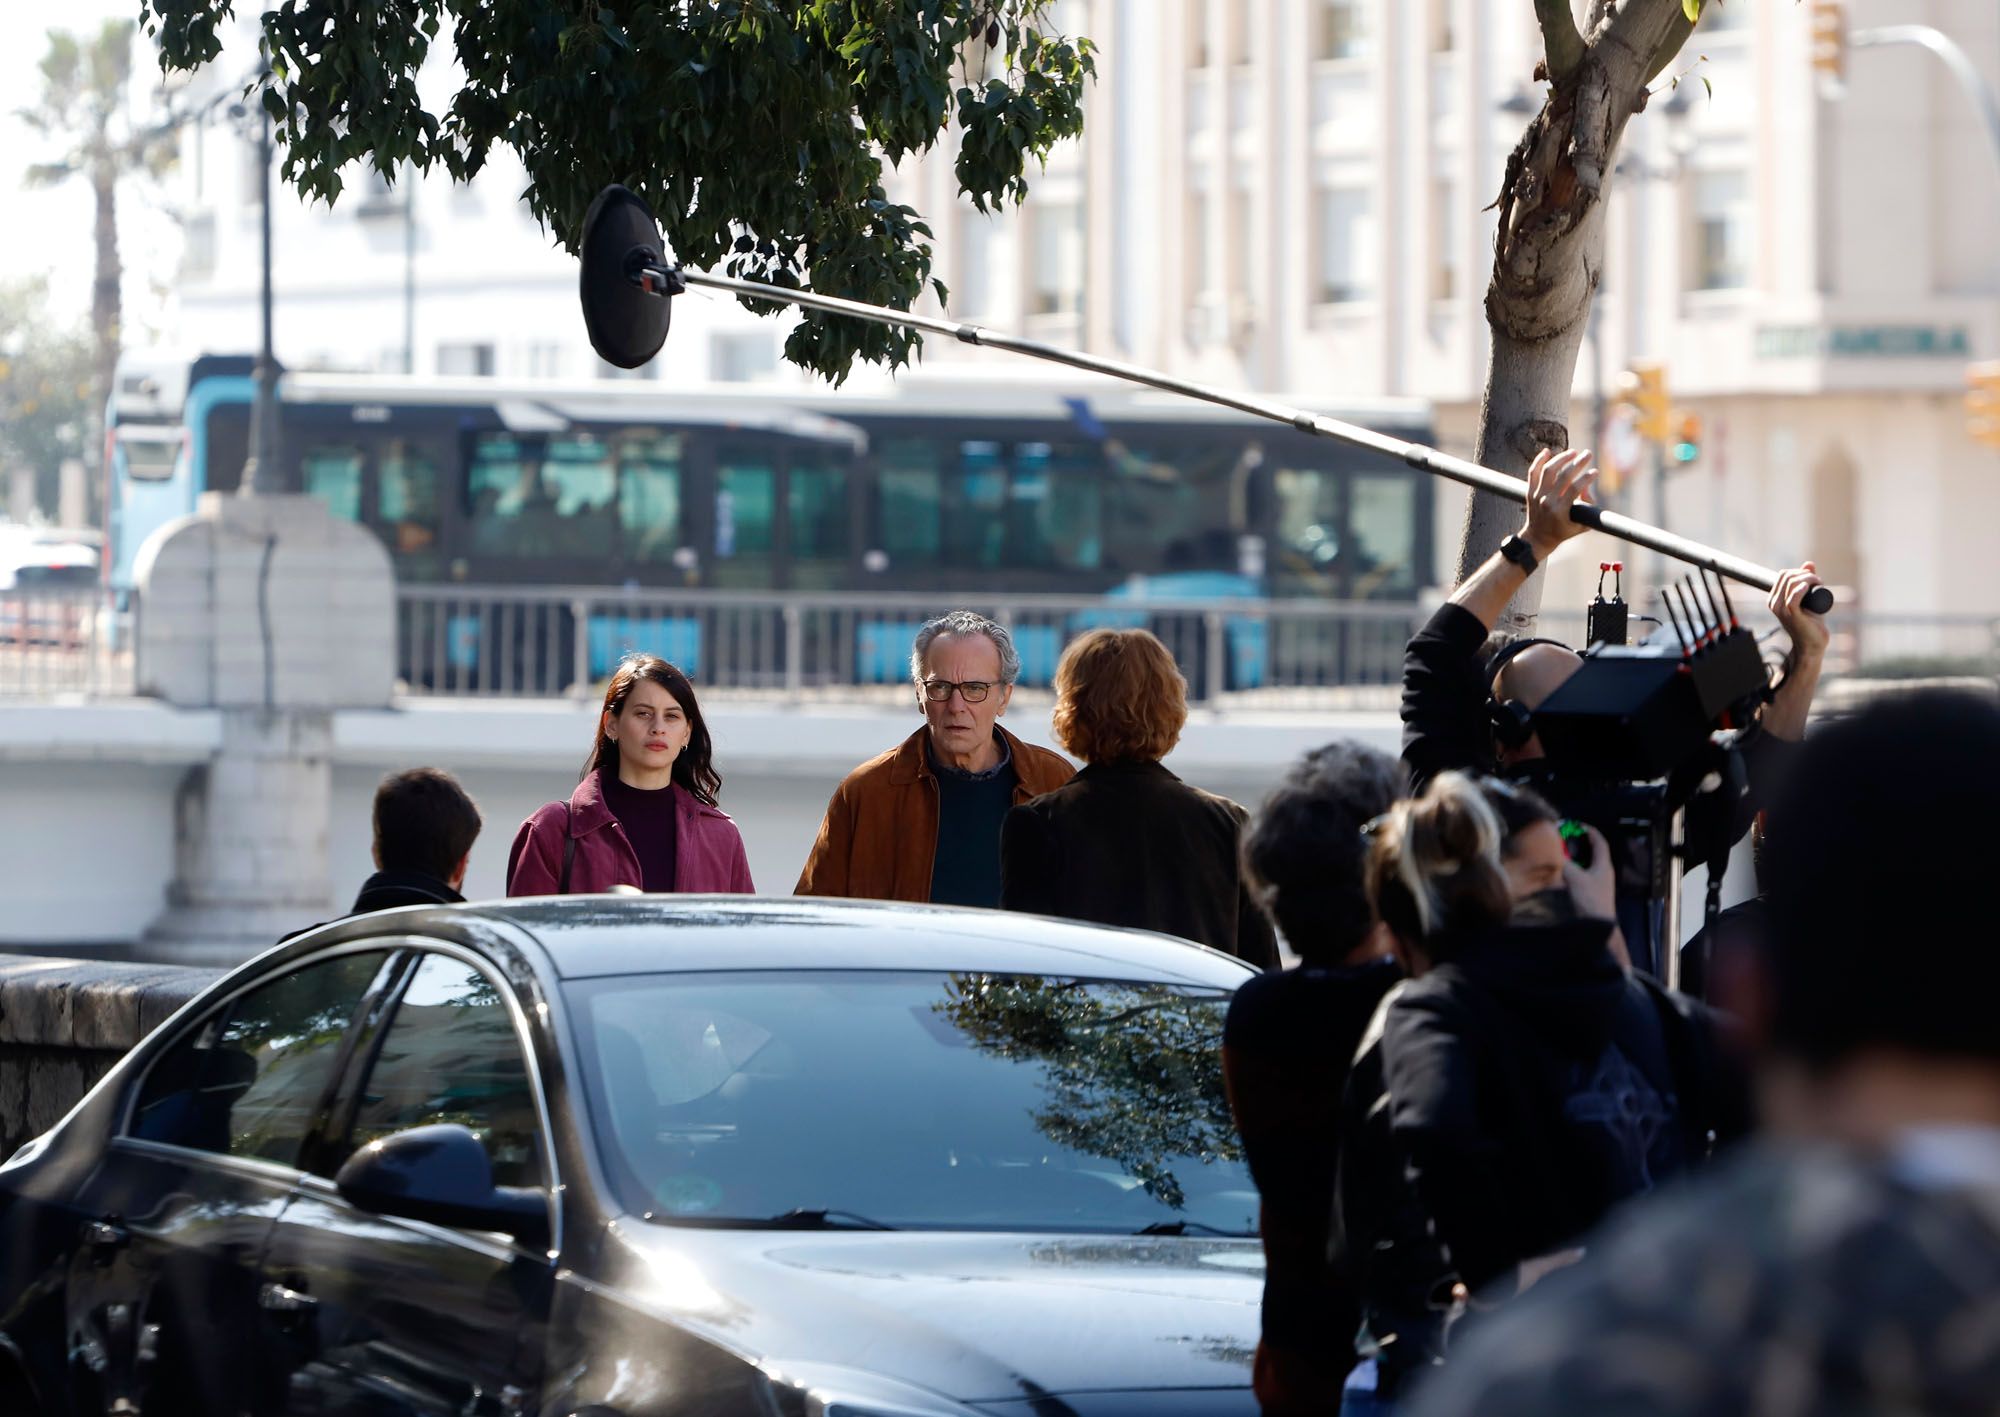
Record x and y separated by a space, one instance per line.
82 112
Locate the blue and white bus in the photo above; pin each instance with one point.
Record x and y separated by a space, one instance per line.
948 483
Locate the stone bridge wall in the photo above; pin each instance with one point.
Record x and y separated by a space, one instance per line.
64 1022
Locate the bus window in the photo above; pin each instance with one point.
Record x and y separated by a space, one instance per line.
149 452
225 447
649 497
333 474
1382 532
536 500
910 514
816 521
409 502
975 505
1308 544
1055 508
746 505
1176 509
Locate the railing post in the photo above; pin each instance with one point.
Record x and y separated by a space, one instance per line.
579 684
793 669
1216 677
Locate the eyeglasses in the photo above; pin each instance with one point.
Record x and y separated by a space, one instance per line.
975 690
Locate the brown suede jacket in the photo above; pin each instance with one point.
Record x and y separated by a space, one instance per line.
879 836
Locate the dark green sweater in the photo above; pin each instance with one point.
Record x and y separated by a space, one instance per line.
966 867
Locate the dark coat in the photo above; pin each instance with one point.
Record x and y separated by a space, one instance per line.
385 890
1128 843
1501 1105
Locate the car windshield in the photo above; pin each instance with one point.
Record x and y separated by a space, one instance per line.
923 1101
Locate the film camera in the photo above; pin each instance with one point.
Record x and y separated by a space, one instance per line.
1644 741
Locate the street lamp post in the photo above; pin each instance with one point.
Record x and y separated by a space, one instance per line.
261 472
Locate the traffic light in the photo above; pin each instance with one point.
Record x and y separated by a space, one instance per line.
1829 40
1686 446
1982 403
1646 391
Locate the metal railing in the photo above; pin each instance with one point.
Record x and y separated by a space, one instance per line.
1278 654
550 642
558 641
61 642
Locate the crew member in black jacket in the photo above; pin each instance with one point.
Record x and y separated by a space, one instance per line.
1515 1089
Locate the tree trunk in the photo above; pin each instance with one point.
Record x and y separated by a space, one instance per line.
1548 258
106 312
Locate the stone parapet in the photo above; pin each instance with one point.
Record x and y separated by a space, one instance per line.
65 1022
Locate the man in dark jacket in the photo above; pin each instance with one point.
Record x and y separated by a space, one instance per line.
425 825
1286 1048
1502 1104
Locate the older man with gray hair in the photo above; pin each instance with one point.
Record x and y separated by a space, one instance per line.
922 821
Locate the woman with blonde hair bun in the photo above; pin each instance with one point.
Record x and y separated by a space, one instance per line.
1518 1086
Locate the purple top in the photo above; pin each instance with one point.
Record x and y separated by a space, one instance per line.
648 818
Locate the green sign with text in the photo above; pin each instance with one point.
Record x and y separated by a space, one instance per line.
1863 342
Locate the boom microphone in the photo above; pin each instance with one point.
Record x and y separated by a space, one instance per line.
627 288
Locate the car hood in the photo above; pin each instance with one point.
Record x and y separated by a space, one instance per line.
974 1317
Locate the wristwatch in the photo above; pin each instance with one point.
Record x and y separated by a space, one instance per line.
1517 550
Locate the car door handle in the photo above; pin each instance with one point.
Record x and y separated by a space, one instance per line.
277 1299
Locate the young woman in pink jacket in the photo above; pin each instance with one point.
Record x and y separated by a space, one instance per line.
644 815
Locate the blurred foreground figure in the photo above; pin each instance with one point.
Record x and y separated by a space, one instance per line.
1850 1262
1287 1046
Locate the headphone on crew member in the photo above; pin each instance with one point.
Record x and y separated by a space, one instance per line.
1513 722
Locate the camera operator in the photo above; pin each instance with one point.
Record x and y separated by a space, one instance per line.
1449 693
1467 708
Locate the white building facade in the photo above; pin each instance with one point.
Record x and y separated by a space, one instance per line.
1287 195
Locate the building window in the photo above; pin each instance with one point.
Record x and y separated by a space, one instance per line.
1237 16
1721 237
1058 254
1716 17
1200 279
543 359
1197 35
1342 30
379 196
461 360
1345 242
1446 224
972 279
1442 37
1243 244
739 358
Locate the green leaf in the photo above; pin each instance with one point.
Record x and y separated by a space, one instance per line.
1692 9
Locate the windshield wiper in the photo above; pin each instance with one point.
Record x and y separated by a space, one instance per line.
1182 1227
802 1219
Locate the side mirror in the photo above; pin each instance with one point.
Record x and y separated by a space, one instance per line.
442 1174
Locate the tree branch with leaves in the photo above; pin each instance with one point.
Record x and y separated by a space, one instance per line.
756 129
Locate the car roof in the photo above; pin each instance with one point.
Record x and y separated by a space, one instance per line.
590 937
